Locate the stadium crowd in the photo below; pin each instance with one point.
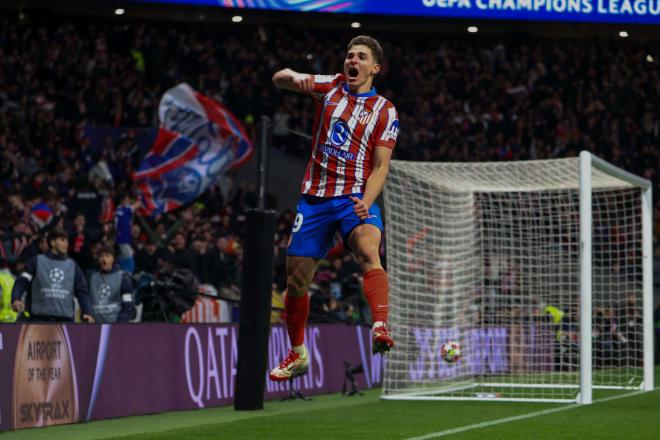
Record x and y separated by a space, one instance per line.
459 99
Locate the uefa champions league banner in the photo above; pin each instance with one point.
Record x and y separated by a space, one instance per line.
56 374
606 11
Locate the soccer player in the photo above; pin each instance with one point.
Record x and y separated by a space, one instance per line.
354 133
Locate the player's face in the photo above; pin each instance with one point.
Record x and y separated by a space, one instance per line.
360 68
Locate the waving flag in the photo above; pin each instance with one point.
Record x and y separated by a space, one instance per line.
198 140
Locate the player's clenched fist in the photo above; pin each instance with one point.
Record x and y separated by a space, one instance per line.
291 80
304 82
360 208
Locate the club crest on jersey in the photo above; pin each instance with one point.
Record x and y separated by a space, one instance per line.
340 133
365 117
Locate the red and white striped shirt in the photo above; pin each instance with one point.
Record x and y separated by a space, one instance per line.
347 129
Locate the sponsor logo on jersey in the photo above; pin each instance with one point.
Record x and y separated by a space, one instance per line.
393 131
340 133
332 151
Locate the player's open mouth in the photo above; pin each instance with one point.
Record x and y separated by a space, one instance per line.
352 73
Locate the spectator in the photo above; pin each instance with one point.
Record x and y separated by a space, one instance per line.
80 247
146 259
202 262
277 305
124 225
178 253
224 262
38 245
88 202
631 325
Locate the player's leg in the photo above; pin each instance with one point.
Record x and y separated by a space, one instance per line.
364 240
310 240
300 271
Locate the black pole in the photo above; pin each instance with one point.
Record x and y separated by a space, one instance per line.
254 319
262 178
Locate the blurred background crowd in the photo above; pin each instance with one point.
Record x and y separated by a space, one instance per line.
476 99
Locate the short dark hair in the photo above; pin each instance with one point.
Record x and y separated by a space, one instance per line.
371 43
56 233
106 249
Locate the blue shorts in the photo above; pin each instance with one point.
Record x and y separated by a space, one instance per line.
317 220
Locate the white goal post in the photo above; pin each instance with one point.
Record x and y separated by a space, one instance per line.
521 263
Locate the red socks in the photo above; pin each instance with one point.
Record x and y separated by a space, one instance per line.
297 308
296 311
376 290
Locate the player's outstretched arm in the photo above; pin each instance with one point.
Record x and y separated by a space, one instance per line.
297 82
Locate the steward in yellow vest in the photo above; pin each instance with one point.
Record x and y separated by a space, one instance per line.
7 314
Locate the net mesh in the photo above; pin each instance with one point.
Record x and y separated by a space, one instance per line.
487 254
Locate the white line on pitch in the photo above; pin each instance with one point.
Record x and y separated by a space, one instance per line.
520 417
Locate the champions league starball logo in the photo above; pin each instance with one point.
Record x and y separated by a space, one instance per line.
104 291
56 275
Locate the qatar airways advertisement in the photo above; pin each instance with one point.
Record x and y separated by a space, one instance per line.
597 11
56 374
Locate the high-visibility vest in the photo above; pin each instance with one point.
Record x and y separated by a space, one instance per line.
557 316
6 285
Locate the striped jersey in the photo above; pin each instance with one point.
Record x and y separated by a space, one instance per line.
347 129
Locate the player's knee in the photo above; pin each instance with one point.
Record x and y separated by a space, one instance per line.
367 255
296 285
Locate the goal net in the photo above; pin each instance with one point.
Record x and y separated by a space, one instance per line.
489 255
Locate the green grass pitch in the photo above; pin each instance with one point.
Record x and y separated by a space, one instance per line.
614 415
